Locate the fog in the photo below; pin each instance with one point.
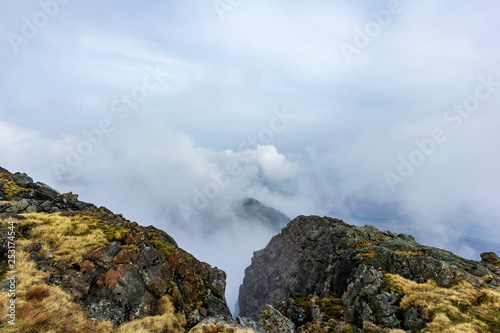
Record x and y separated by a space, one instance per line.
383 113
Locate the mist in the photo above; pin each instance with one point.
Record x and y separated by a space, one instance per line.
383 113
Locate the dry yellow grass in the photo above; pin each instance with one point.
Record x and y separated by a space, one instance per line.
459 308
67 238
411 253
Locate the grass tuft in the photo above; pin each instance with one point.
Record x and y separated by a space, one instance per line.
458 308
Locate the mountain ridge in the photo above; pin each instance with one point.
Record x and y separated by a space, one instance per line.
83 268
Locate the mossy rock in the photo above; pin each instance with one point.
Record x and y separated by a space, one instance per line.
167 249
114 233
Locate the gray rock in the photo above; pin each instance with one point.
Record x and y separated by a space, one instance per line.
365 301
22 206
44 192
274 322
490 258
413 320
21 179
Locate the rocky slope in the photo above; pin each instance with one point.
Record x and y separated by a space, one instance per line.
114 269
326 275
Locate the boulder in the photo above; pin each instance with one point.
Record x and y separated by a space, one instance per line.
490 258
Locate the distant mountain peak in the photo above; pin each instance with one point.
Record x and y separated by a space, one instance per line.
253 210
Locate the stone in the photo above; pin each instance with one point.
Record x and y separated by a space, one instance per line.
413 320
274 322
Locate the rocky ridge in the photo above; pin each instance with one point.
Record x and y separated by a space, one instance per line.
322 273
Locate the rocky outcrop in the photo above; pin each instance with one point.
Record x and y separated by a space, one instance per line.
124 277
26 196
253 210
322 271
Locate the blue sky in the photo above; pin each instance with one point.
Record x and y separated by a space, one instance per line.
269 89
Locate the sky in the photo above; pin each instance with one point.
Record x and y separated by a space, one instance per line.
382 113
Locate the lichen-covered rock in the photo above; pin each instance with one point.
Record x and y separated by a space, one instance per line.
274 322
365 300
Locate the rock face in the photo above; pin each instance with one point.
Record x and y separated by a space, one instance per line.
124 278
253 210
321 271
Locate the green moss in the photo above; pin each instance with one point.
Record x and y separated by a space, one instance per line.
167 249
93 245
330 309
130 247
114 233
303 303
